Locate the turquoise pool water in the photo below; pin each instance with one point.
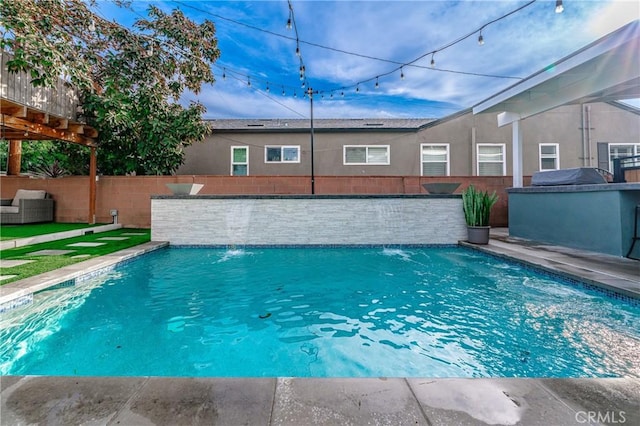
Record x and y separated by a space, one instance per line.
330 312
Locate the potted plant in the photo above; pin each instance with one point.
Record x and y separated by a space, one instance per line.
477 209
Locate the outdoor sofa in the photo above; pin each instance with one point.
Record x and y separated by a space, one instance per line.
27 206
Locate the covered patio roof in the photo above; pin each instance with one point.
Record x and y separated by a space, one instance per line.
605 70
42 113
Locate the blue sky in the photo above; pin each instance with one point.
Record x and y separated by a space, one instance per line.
377 36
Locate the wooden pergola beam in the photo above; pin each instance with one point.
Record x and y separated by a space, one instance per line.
15 111
21 125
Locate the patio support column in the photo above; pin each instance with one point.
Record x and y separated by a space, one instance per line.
517 154
92 186
15 157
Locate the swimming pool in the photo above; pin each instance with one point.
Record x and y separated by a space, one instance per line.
322 312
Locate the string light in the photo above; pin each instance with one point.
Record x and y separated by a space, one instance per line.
283 92
224 73
292 24
249 81
267 89
559 6
303 77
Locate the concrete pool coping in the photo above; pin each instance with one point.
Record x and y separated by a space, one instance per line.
307 401
297 401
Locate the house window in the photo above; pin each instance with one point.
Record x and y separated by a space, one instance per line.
239 161
620 150
549 156
366 154
490 159
282 154
435 160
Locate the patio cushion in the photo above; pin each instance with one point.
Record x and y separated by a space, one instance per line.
27 194
9 209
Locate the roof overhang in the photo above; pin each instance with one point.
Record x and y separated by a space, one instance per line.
606 70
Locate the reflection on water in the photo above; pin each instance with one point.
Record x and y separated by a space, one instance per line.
323 312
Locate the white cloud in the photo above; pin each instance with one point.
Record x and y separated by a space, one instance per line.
518 45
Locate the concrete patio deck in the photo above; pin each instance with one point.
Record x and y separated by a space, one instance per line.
385 401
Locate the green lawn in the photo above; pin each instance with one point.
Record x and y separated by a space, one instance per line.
43 264
12 232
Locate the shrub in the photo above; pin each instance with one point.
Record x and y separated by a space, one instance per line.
477 206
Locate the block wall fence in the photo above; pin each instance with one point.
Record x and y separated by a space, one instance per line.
131 195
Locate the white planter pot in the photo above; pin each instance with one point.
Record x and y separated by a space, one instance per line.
184 188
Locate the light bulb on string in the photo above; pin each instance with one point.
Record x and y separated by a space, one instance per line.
433 62
559 6
268 90
249 81
295 95
342 94
92 26
283 93
480 39
302 85
401 74
358 88
377 84
224 73
297 51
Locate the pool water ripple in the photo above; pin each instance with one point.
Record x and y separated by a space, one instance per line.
432 312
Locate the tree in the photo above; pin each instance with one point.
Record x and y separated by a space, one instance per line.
130 80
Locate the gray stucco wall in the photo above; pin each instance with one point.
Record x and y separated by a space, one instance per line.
563 125
589 217
285 220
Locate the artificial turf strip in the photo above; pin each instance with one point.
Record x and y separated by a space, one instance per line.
12 232
48 263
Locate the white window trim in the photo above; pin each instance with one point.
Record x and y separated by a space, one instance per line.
557 156
282 147
504 156
246 148
448 172
344 155
636 150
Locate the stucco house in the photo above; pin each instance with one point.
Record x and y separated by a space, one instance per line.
462 144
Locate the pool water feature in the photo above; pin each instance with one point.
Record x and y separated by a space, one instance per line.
322 312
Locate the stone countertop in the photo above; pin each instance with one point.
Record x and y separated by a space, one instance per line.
300 196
